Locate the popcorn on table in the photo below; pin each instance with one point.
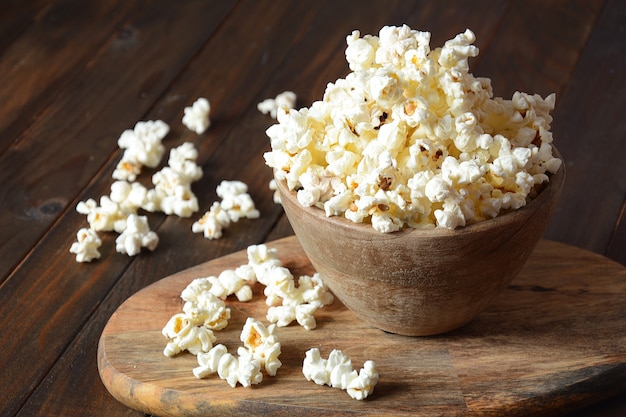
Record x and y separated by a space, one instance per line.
337 372
142 147
197 116
135 236
410 138
86 245
236 203
284 102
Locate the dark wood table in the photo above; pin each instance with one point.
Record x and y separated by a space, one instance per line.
75 74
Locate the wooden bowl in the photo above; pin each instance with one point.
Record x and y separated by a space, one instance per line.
420 282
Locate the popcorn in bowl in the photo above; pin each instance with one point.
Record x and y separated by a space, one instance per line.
410 138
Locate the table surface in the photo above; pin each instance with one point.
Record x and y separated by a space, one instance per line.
76 74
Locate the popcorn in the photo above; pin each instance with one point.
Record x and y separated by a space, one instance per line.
184 334
276 194
142 147
236 204
243 369
203 312
261 350
196 117
212 222
105 217
182 160
137 235
231 282
284 102
262 344
86 245
337 372
410 138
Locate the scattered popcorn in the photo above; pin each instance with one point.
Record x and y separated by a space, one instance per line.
196 117
231 282
337 372
203 312
283 102
182 160
184 334
107 216
142 147
208 310
172 193
243 369
262 258
410 138
261 350
135 236
212 222
276 194
236 204
262 344
86 245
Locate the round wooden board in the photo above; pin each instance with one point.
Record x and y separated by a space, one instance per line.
553 342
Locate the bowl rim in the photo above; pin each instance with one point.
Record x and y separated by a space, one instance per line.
550 192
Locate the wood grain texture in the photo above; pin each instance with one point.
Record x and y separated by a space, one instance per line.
554 341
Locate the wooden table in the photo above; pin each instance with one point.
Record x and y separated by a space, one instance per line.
75 74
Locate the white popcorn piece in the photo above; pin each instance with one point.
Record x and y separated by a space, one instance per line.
182 160
208 310
172 193
243 369
86 245
183 335
137 235
276 194
212 222
229 282
240 206
284 101
197 117
262 344
410 138
105 217
337 372
262 259
142 147
236 204
236 201
208 362
129 196
202 306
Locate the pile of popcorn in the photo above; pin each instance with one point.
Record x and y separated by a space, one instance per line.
410 138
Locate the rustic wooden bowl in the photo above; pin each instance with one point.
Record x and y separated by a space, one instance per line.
420 282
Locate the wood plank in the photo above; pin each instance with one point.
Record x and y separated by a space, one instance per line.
47 46
555 340
67 145
527 54
596 185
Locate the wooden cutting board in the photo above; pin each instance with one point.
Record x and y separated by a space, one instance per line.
553 342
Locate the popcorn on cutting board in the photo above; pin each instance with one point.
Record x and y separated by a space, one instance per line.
337 372
410 138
